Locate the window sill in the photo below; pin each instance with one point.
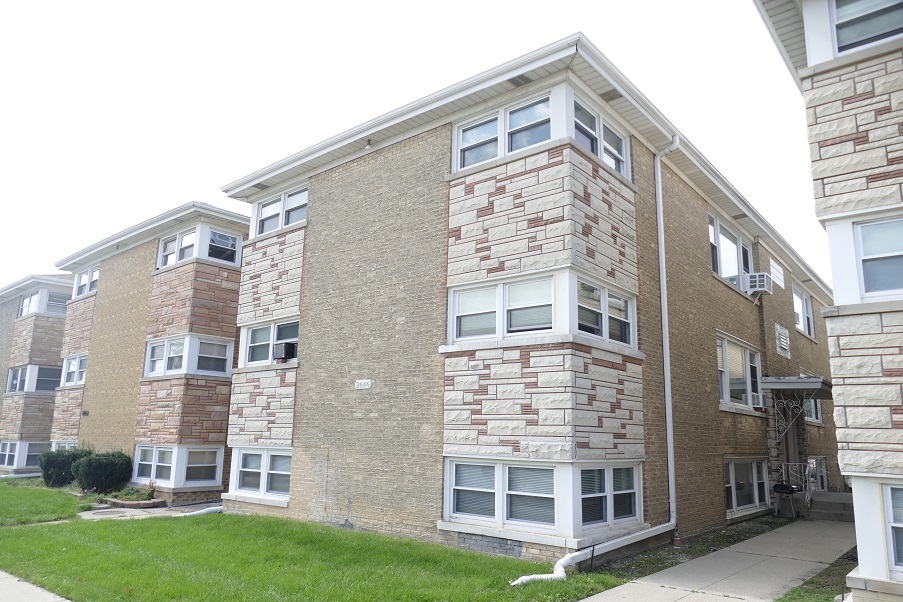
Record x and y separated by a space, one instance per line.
30 393
808 336
732 514
540 538
817 423
82 297
256 499
186 375
276 232
738 409
68 387
41 314
182 488
547 339
291 364
734 288
215 262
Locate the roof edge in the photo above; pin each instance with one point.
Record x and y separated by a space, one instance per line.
16 287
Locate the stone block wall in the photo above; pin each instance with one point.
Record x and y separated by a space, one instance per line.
867 363
79 321
271 277
67 414
559 402
199 296
26 416
8 312
855 117
555 208
182 411
37 339
262 406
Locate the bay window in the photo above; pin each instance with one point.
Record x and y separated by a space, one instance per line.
520 307
178 466
201 241
189 354
32 378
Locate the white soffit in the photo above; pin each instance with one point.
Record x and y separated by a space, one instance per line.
784 20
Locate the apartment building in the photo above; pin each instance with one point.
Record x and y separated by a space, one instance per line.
32 314
454 325
847 58
148 348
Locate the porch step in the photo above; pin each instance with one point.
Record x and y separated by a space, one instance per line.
830 505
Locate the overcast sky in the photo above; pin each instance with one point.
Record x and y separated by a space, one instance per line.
113 112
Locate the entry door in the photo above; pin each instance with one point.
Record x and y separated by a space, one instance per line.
791 445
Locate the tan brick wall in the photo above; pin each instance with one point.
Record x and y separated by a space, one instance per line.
79 321
372 458
26 416
553 402
867 364
233 507
117 349
271 277
262 407
182 411
67 414
855 134
198 296
37 339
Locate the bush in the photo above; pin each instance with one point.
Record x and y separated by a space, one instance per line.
56 466
103 473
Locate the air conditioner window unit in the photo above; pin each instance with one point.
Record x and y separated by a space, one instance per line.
757 282
284 351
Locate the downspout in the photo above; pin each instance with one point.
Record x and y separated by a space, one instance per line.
575 557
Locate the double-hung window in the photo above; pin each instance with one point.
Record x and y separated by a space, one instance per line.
511 308
603 313
493 491
212 357
585 131
802 312
860 22
56 303
738 374
608 495
731 256
479 142
201 465
154 463
881 245
286 209
33 453
33 378
43 301
188 354
17 379
86 282
48 378
166 356
529 125
201 241
222 246
265 472
812 410
260 340
8 453
745 485
613 153
74 370
893 504
524 126
29 304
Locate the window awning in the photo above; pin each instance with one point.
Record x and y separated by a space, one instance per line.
806 387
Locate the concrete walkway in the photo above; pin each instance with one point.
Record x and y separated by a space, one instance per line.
758 569
13 589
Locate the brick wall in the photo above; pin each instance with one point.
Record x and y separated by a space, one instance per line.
262 407
198 296
182 411
553 402
117 348
79 320
855 134
37 339
271 277
67 414
8 311
372 458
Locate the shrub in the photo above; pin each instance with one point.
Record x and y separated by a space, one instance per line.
104 472
56 466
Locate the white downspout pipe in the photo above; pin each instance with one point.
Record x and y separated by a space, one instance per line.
211 510
558 572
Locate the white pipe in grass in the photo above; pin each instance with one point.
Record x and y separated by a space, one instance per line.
211 510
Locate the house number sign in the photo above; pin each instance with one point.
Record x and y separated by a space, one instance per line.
363 384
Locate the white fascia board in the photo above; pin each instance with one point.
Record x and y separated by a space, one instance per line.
777 40
744 206
145 231
506 71
63 281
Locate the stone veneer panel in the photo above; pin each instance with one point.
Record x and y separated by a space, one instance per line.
867 364
37 339
8 312
67 413
271 277
557 402
262 407
552 209
182 411
26 416
199 297
79 321
855 116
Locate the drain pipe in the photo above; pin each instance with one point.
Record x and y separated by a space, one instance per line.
211 510
558 572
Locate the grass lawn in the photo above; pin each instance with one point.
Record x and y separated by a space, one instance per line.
226 557
24 501
824 586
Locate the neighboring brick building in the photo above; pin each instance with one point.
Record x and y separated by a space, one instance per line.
847 57
148 349
32 314
474 296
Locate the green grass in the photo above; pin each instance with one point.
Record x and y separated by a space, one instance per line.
824 586
24 501
228 557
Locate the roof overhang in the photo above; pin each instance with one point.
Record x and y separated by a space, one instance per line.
784 21
807 387
29 283
149 229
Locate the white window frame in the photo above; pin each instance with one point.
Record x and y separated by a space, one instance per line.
857 47
60 445
804 319
28 379
509 131
263 491
190 352
609 495
91 277
178 477
79 365
200 248
21 379
9 451
286 204
760 469
604 311
896 570
38 302
30 303
724 392
34 449
154 464
812 410
861 257
501 310
743 248
244 341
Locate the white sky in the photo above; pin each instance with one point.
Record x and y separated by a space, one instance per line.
113 112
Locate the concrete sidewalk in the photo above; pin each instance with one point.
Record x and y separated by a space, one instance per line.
758 569
13 589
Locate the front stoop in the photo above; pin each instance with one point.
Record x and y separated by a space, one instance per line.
830 505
